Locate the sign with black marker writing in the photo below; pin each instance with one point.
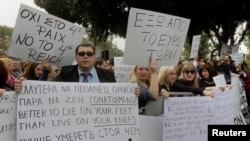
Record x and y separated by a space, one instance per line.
223 106
187 118
157 35
195 46
220 80
8 116
58 111
237 57
122 72
39 36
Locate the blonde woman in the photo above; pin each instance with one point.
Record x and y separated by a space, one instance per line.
188 81
166 78
146 78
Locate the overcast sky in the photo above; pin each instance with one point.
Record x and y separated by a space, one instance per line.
9 10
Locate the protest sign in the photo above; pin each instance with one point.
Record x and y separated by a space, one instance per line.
242 94
39 36
238 102
72 111
157 35
239 120
195 46
122 72
237 57
186 118
8 116
223 106
151 128
219 80
236 97
227 49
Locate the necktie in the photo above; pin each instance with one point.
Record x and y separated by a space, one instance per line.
85 77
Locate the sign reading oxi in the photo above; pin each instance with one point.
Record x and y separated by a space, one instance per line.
38 35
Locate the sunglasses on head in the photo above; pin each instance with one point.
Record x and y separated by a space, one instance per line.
189 72
89 54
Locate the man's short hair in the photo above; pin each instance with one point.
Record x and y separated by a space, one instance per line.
84 45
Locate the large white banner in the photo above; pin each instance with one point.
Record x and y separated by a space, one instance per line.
38 35
187 118
157 35
72 111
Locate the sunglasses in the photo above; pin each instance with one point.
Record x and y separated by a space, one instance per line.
89 54
189 72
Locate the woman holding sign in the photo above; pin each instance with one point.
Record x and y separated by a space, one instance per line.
167 76
206 76
146 78
188 81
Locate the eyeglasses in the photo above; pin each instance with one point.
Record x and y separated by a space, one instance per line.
189 72
89 54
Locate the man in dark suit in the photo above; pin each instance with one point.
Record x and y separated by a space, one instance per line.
83 71
85 58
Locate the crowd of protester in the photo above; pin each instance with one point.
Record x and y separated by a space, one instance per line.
194 76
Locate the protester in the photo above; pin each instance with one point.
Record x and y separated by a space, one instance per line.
243 73
50 72
102 63
85 58
32 71
17 69
206 74
166 78
146 78
188 81
3 78
9 67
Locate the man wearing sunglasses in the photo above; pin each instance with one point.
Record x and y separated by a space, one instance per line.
85 70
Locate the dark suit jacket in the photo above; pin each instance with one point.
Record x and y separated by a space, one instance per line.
182 86
70 74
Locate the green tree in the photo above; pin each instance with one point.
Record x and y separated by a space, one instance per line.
113 49
247 41
5 37
186 51
219 19
205 47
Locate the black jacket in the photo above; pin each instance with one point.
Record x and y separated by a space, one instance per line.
182 86
70 74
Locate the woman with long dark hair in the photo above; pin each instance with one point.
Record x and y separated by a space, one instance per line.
3 78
